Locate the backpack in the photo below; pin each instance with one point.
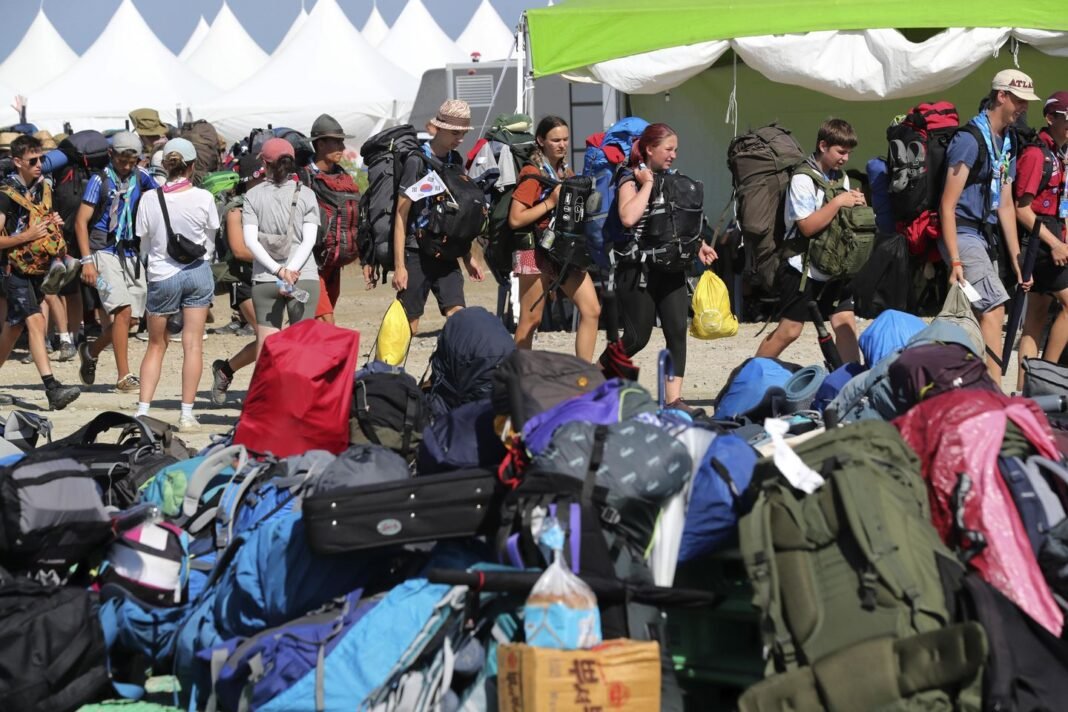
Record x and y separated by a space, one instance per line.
843 247
1044 378
339 199
754 389
888 333
472 344
34 258
564 240
672 235
388 409
528 382
715 498
384 155
927 370
152 562
916 158
883 283
879 185
854 561
303 149
464 438
605 153
761 163
1039 506
51 647
1023 137
457 215
87 154
205 140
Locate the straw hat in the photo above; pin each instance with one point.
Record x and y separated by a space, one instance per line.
453 115
48 142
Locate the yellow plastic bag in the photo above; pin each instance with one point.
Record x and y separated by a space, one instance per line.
712 317
394 336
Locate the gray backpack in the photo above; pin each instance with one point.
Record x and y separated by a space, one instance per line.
384 155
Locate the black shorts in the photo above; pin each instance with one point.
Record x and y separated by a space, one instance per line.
1049 278
240 292
24 297
426 275
833 297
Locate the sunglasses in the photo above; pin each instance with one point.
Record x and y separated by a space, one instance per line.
31 161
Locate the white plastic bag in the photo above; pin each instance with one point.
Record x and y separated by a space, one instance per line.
561 611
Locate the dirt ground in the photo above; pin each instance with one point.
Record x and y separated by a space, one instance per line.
709 362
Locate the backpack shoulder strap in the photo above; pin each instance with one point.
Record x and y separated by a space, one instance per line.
982 160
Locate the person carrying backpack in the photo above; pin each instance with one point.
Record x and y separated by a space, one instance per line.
177 225
533 203
29 235
104 227
810 213
1039 190
645 290
977 198
417 273
281 221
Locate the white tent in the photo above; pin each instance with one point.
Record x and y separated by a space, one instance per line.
344 77
126 68
298 23
41 56
375 29
415 43
191 44
228 55
486 34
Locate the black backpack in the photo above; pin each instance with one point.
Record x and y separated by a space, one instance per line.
916 158
457 216
87 155
884 281
529 382
672 231
388 409
52 654
384 155
565 238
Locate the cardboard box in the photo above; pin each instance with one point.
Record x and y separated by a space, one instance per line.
619 675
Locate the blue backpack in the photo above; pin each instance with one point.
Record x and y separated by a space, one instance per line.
712 514
471 345
603 228
879 183
462 439
889 332
754 390
834 382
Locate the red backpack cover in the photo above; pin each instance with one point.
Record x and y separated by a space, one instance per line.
339 205
301 392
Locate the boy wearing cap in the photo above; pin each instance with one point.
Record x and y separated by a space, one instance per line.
977 198
104 226
415 274
24 292
1040 197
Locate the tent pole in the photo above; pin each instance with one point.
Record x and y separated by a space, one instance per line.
520 63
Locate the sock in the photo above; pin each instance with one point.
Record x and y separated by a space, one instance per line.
65 338
49 381
187 410
142 408
227 370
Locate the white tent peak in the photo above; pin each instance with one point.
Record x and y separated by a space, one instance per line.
298 23
40 56
416 43
375 29
191 44
486 34
228 55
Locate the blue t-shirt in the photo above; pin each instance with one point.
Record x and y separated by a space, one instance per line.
102 232
964 148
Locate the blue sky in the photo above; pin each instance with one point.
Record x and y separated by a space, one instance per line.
81 21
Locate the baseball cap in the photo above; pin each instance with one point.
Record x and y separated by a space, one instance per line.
275 148
1057 103
182 147
125 141
1016 83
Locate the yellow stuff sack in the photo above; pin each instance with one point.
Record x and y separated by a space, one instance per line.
712 317
394 336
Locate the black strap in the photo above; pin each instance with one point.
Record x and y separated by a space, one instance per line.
166 215
600 435
409 422
363 413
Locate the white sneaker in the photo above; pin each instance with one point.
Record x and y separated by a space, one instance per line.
188 424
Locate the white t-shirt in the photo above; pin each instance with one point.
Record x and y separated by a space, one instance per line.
802 199
193 214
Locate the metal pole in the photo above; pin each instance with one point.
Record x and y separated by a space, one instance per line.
520 63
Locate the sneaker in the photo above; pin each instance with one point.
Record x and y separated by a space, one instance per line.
188 424
680 404
87 367
141 336
60 396
53 281
66 352
128 384
220 382
6 399
27 359
246 330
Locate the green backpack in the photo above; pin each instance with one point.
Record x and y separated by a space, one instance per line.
849 583
846 243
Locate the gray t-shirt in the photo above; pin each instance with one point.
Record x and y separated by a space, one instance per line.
415 168
270 208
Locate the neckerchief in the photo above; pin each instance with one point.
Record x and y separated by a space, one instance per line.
176 185
120 212
999 160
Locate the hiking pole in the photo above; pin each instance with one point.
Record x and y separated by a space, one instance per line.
826 341
1016 312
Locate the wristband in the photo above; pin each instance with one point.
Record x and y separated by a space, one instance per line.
956 263
86 260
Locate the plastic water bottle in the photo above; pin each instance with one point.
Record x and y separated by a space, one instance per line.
301 295
103 287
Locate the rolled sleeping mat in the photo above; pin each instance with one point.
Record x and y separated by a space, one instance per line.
802 387
53 160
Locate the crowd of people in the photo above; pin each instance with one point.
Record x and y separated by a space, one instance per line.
146 236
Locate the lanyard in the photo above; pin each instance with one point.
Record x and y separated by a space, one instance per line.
999 161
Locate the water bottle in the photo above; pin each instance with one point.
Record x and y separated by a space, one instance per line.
292 290
103 287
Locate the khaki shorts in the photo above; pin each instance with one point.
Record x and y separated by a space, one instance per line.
123 289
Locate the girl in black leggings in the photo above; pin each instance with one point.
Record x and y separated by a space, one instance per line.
644 289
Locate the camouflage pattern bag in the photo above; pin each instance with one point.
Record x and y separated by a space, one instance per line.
34 258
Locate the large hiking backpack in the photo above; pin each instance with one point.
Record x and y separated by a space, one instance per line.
457 215
388 409
927 370
339 199
384 155
472 344
852 562
51 647
303 149
916 158
205 140
87 154
529 382
672 234
842 248
605 153
564 241
761 163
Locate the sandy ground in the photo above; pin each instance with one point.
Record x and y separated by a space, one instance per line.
709 362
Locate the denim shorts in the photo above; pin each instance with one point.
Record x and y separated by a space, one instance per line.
193 287
24 297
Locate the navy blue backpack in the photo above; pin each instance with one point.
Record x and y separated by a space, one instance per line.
462 439
471 345
712 513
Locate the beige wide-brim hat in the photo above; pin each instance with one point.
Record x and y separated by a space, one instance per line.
6 137
48 142
453 115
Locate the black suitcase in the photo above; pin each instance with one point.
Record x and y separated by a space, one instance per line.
447 506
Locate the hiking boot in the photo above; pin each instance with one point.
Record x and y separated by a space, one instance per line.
87 367
680 404
66 352
60 396
220 382
53 281
188 424
128 384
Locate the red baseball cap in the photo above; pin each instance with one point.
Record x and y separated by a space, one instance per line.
275 148
1057 103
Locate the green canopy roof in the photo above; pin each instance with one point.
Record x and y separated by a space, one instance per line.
578 33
